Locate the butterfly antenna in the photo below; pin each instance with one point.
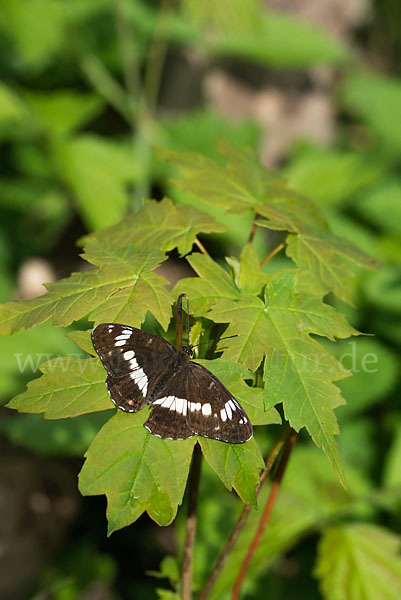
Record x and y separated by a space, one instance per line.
227 337
188 317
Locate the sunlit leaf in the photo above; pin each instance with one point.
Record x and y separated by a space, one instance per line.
323 254
136 470
359 561
237 465
65 437
298 371
376 99
159 225
68 387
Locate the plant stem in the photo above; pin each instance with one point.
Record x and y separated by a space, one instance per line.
272 253
269 462
201 246
266 513
179 322
193 489
253 230
129 57
157 55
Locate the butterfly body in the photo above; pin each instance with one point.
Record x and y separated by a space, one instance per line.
186 399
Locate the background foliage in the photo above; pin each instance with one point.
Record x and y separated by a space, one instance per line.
88 88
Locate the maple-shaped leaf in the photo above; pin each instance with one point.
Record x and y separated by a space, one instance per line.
247 274
203 291
298 371
122 287
83 339
215 283
359 561
322 253
68 387
237 465
242 184
137 471
159 225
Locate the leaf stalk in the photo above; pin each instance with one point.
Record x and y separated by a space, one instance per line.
271 500
269 462
189 544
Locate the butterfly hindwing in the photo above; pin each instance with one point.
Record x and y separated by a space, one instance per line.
169 415
130 357
219 416
195 402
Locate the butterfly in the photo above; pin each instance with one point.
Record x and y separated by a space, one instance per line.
186 399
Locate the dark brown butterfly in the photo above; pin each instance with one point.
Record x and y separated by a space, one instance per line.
186 399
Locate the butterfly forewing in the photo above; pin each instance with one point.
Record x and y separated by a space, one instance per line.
131 357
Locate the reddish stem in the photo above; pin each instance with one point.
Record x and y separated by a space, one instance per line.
253 231
269 462
266 514
188 557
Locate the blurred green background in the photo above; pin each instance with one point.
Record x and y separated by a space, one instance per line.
87 88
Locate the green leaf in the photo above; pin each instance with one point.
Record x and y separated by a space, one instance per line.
232 375
322 254
65 437
251 280
136 470
22 353
358 442
209 126
375 372
68 387
83 340
36 27
242 185
293 301
246 29
63 111
331 177
282 40
382 206
392 470
359 561
235 15
98 172
383 288
169 569
123 287
358 234
309 496
377 100
158 225
212 284
298 371
12 109
237 465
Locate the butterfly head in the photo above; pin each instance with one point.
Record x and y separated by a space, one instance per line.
187 351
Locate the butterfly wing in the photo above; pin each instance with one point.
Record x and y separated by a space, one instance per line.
195 402
134 361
